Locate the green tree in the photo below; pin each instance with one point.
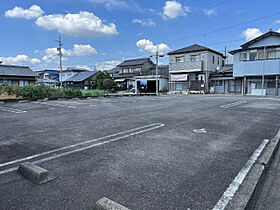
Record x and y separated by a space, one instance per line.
99 81
108 83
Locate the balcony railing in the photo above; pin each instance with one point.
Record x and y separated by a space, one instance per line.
189 66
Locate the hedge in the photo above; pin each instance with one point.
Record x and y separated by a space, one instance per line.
38 91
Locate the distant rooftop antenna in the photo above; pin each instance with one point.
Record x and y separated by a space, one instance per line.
270 29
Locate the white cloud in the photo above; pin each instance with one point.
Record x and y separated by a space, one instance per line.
35 61
33 12
251 33
144 22
111 4
209 12
20 60
82 50
106 65
147 46
277 22
173 9
82 24
78 50
83 67
118 4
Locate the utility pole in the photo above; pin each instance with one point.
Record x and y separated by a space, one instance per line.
226 55
264 54
157 55
59 49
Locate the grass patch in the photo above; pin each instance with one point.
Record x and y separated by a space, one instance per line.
92 92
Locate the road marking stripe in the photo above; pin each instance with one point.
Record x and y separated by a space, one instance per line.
7 109
159 125
238 180
53 104
233 104
75 145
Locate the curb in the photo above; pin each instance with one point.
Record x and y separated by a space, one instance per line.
252 184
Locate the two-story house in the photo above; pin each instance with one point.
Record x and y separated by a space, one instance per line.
190 67
128 69
257 62
48 77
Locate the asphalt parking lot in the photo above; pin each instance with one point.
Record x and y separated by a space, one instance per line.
167 152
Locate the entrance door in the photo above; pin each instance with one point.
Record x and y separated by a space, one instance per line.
151 86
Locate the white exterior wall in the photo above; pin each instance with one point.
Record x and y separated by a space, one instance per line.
195 66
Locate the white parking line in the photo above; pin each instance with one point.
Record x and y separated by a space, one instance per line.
233 104
7 109
114 137
238 180
54 104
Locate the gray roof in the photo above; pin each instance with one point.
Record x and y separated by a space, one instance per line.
81 76
20 71
270 33
194 48
135 62
113 71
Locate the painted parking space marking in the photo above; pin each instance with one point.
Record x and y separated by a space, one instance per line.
202 130
12 110
238 180
63 151
54 104
233 104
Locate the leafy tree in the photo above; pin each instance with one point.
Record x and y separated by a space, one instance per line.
99 81
108 83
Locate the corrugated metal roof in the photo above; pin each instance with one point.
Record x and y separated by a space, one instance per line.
81 76
22 71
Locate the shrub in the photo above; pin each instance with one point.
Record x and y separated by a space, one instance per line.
42 91
5 88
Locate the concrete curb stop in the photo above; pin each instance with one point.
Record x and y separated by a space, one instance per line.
252 184
2 102
107 204
23 101
35 173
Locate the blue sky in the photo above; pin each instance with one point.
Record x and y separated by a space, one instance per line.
101 33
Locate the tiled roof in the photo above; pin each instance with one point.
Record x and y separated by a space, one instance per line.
22 71
135 62
113 71
81 76
193 48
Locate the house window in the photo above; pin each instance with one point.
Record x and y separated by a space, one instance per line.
125 71
180 59
213 59
260 55
195 58
253 55
242 56
21 83
271 54
271 84
218 83
218 61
